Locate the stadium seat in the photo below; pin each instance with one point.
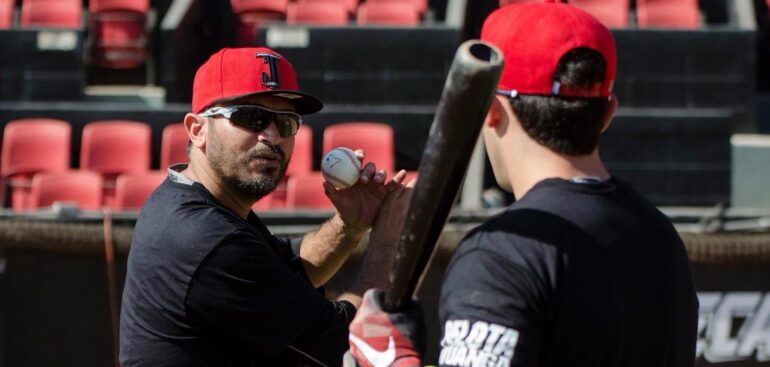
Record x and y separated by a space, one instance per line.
302 156
137 6
6 13
612 13
117 36
253 13
350 5
668 14
173 145
376 139
330 13
131 191
244 6
116 147
51 14
307 192
420 5
394 13
31 146
81 187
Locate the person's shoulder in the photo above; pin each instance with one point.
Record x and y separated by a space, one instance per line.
626 189
180 219
510 235
187 206
498 270
633 199
509 225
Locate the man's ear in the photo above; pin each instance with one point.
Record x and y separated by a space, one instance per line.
196 130
612 107
495 113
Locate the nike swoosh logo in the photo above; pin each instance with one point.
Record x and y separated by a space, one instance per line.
375 357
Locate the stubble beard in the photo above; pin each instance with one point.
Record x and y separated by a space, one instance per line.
235 173
256 188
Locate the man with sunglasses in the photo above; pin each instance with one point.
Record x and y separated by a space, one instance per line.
207 283
581 270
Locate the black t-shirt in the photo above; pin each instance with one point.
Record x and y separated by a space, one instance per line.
573 274
206 288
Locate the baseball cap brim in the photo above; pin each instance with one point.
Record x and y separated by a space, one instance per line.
303 103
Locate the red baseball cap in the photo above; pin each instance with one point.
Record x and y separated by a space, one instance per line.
535 36
234 73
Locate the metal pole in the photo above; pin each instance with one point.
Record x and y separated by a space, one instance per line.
473 187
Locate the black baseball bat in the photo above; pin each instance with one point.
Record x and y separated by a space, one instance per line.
465 100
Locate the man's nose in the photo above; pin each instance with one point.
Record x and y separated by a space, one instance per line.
271 134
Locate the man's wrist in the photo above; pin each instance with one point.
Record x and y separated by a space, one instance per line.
348 232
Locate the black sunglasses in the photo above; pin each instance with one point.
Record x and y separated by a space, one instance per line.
257 119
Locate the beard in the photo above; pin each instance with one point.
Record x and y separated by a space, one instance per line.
235 173
254 188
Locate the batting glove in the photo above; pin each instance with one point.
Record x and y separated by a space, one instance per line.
382 339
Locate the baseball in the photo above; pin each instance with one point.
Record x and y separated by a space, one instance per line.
341 168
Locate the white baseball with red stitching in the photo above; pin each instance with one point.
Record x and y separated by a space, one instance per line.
341 168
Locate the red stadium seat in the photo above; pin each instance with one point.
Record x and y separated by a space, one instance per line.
420 5
302 157
136 6
117 37
115 147
668 14
246 6
331 13
350 5
51 14
6 14
253 13
35 145
31 146
307 192
173 145
612 13
81 187
131 191
376 139
394 13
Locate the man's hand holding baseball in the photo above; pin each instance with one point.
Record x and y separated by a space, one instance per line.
358 205
324 251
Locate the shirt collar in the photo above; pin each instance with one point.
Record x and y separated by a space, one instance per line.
175 174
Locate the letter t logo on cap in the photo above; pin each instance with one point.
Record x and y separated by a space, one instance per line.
273 80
